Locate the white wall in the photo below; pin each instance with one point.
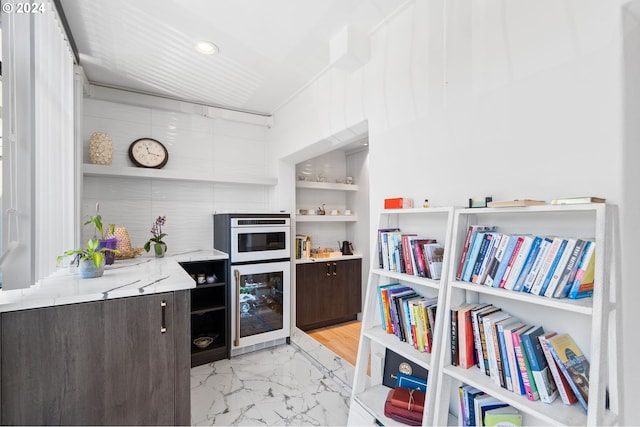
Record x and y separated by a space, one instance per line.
196 144
510 99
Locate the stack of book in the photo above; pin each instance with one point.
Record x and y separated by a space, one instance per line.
479 409
517 356
550 266
409 253
408 315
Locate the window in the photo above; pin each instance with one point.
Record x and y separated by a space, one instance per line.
39 168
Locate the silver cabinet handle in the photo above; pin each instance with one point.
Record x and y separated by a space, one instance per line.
236 341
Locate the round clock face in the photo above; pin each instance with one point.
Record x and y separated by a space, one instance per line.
148 153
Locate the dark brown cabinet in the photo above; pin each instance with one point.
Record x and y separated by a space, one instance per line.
115 362
327 292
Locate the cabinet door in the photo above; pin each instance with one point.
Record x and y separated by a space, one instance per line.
140 359
94 363
348 284
311 281
53 366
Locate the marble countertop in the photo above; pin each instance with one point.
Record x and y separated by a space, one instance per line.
335 258
143 275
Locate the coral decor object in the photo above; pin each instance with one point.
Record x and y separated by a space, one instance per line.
100 148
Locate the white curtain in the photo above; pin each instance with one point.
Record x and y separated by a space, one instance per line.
54 141
39 173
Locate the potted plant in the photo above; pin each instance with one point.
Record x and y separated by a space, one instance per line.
108 239
159 247
90 259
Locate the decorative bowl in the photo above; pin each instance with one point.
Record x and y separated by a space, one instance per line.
203 342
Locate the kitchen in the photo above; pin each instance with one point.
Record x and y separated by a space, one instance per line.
411 117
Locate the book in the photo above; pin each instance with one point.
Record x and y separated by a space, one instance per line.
386 301
577 200
465 336
468 395
516 376
546 265
564 389
383 302
506 416
531 265
560 267
409 262
504 369
582 286
430 309
510 259
550 273
434 254
453 324
482 308
539 369
531 391
493 356
417 245
471 231
489 261
519 262
515 203
504 260
483 256
483 403
483 357
494 264
569 273
573 364
472 256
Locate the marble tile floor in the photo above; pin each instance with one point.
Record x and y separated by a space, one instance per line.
299 384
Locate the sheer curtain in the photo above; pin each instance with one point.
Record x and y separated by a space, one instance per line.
41 186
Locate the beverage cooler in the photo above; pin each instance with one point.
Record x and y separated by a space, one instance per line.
260 277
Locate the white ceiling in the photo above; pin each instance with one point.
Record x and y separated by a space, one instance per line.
269 49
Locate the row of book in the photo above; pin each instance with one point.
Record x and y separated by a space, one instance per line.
303 246
480 409
550 266
519 357
408 315
409 253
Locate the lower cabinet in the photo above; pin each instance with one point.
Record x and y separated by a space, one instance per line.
115 362
327 292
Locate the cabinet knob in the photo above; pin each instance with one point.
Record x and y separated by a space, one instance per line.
328 269
335 268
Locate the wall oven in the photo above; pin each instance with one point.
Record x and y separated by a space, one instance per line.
260 271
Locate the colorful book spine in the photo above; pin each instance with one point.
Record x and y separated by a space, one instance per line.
523 364
537 245
564 389
573 365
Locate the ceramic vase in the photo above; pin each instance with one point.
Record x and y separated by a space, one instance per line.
88 270
159 249
100 148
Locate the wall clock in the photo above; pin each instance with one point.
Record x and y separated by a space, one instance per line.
148 153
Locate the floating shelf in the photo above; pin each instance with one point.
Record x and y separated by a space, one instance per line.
326 218
132 172
312 185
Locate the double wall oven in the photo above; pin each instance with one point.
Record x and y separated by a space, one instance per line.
260 271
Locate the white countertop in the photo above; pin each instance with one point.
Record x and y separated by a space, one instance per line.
335 258
143 275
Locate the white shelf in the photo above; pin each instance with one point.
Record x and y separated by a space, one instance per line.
589 318
164 174
313 185
368 392
326 218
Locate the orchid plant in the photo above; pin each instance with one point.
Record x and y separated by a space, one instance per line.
156 230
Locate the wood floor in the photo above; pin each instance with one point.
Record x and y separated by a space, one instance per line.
341 339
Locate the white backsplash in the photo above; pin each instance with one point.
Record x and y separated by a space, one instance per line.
195 143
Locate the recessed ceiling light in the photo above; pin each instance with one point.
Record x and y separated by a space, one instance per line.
206 48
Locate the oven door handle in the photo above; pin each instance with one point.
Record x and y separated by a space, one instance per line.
236 341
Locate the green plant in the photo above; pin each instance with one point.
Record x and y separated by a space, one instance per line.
96 220
158 235
89 252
